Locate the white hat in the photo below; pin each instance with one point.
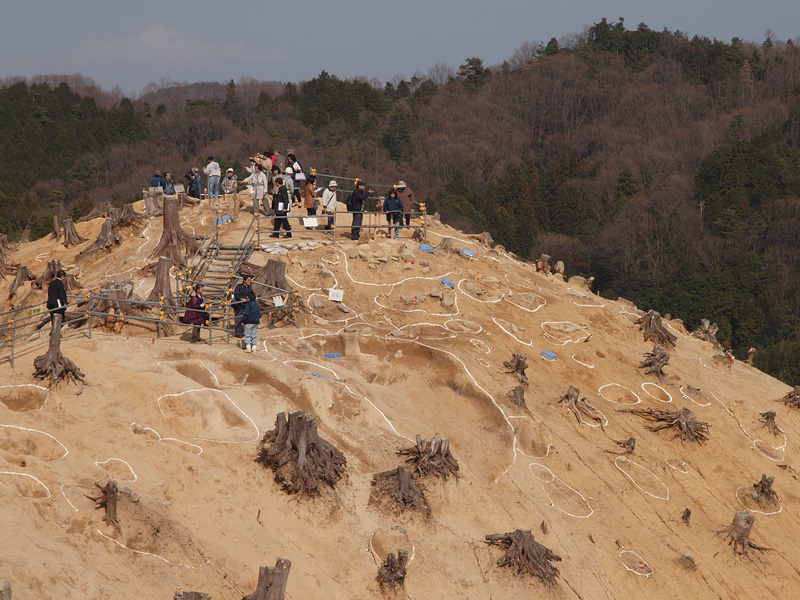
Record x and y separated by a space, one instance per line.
289 171
230 170
401 183
333 183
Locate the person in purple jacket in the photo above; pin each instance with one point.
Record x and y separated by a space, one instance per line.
195 314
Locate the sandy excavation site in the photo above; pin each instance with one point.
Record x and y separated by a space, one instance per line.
177 426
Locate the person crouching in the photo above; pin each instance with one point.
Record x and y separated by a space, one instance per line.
251 319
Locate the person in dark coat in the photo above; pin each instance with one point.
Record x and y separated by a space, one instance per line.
394 212
57 297
407 198
158 181
359 197
195 314
240 293
251 318
281 204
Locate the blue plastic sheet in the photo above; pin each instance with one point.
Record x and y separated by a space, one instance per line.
333 355
315 374
449 283
426 248
467 252
549 355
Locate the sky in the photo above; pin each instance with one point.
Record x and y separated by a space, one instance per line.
131 44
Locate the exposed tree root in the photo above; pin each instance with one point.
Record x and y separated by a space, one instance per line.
683 421
525 555
654 329
581 407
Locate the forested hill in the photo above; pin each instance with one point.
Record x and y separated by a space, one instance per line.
666 167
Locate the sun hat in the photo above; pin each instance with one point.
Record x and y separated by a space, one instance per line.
333 183
401 184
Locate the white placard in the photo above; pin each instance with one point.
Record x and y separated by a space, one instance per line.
278 300
336 295
179 189
310 221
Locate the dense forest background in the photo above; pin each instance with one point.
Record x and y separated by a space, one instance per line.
666 167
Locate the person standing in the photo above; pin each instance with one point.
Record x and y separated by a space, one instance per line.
329 202
169 185
288 182
213 172
309 196
358 199
229 183
281 204
251 318
407 198
57 297
158 181
259 182
394 212
240 293
195 314
195 185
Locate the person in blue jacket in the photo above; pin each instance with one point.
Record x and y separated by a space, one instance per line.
251 318
393 207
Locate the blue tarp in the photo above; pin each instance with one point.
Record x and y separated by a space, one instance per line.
549 355
318 375
426 248
467 252
333 355
448 282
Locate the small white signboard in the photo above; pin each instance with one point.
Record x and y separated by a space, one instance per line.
179 189
278 300
336 295
37 310
310 221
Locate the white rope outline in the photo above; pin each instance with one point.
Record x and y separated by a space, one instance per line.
258 434
633 481
582 295
100 464
681 464
685 395
371 550
641 562
163 439
43 433
553 479
46 396
497 322
600 393
647 383
121 545
49 495
780 449
587 365
774 512
559 341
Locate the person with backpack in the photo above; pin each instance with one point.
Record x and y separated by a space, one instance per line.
329 203
251 318
355 205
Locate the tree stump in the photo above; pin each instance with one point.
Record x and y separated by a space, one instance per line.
272 280
654 329
762 492
683 421
5 590
107 238
581 407
768 420
154 201
173 237
272 581
23 274
41 282
297 455
431 458
517 365
583 282
485 238
525 555
685 516
543 264
708 332
108 501
738 532
191 596
446 245
397 490
55 365
518 397
71 235
25 237
56 229
392 571
792 399
98 210
128 217
114 300
751 354
655 361
163 289
628 446
559 267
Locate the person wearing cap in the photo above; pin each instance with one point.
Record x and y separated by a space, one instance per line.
230 182
213 172
407 198
281 204
288 183
329 202
359 198
259 182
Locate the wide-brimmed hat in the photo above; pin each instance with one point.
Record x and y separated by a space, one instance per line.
230 170
333 183
401 183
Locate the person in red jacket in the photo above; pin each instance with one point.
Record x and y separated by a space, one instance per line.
195 314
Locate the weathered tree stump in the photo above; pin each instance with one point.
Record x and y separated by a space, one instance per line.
71 235
654 329
56 228
518 397
25 237
583 282
114 301
173 237
270 280
392 571
738 532
581 407
628 446
397 490
708 332
792 399
446 245
485 238
6 267
517 365
431 458
525 555
686 515
683 421
127 217
751 354
23 274
762 492
543 264
154 201
5 590
272 581
768 420
108 501
559 267
191 596
162 289
98 210
55 365
41 282
297 455
107 238
655 361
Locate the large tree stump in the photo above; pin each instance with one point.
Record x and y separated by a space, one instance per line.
173 237
768 421
517 365
738 532
581 407
392 571
155 201
272 581
762 492
271 279
683 421
485 238
56 228
525 555
107 238
655 361
98 210
543 264
23 274
792 399
25 237
55 365
108 501
71 235
114 301
447 246
654 329
397 490
518 398
163 289
41 282
297 455
708 332
431 458
127 217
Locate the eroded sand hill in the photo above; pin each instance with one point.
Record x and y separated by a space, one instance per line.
173 422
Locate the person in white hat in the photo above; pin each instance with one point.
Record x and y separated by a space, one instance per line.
329 202
289 183
230 182
407 198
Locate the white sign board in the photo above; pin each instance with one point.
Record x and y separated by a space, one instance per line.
336 295
179 189
310 221
278 300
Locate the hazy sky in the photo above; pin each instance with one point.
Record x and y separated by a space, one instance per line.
136 42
